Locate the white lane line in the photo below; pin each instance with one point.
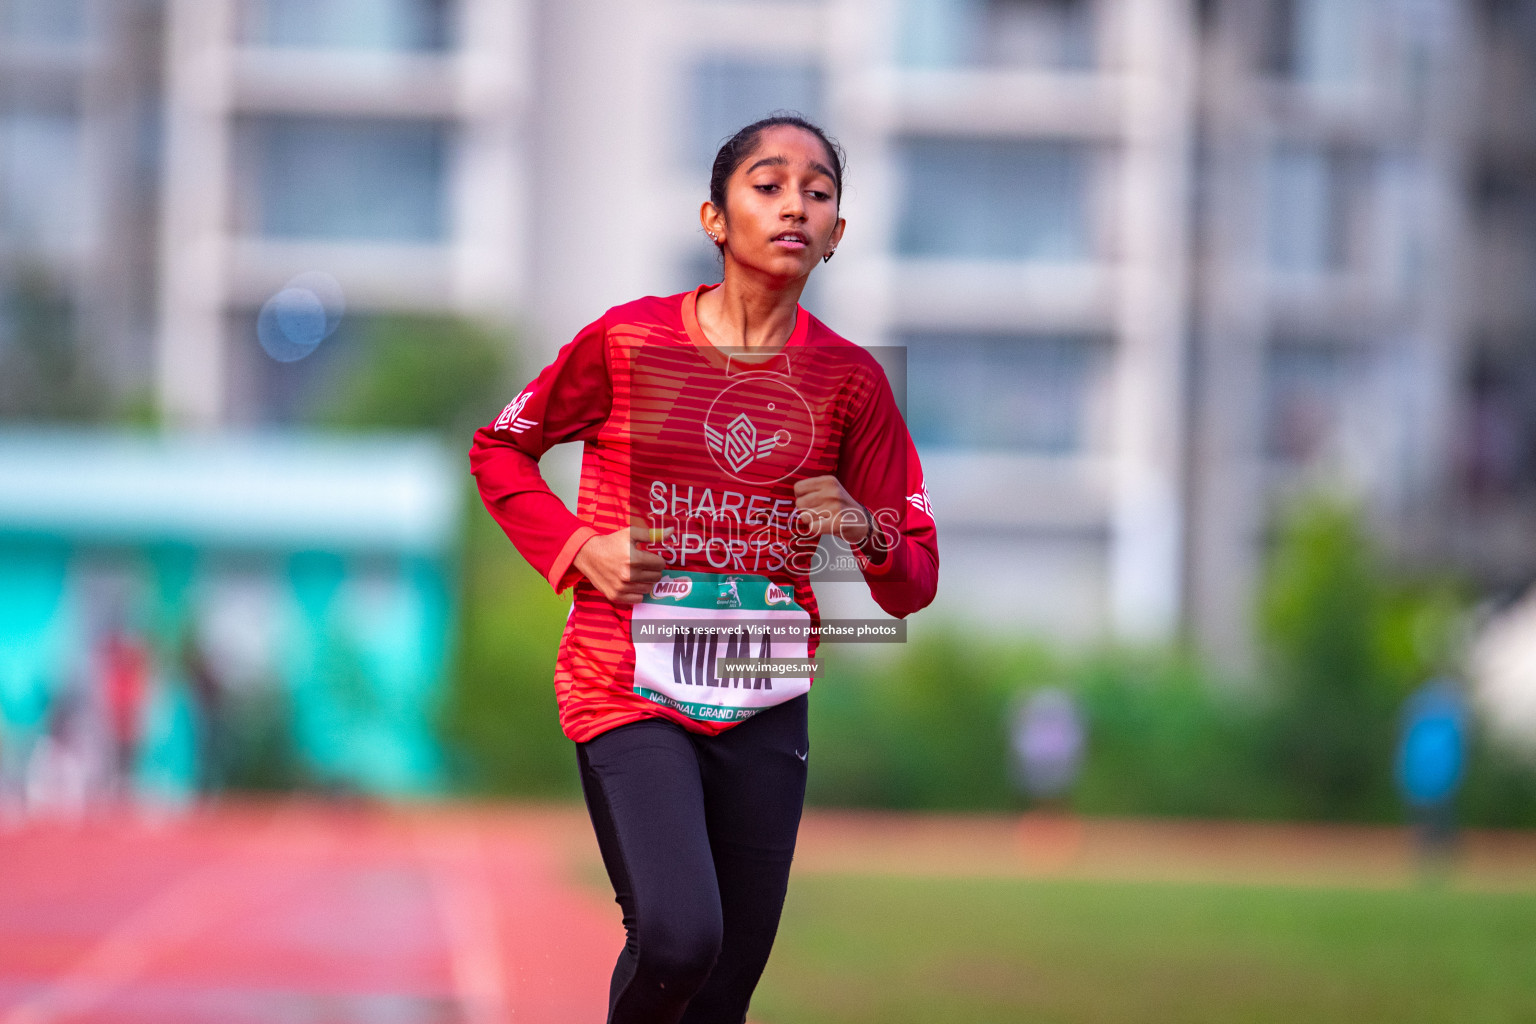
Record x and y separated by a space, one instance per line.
460 878
168 919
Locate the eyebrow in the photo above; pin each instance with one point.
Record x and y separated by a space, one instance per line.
779 161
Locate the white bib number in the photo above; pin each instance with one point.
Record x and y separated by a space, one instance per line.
692 621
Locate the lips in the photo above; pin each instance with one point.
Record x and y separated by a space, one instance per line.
792 239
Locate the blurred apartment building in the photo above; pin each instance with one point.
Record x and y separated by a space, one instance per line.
1155 263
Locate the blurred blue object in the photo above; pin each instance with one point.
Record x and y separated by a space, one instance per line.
294 322
316 569
283 492
1432 756
291 324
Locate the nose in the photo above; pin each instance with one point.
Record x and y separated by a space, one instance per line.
794 205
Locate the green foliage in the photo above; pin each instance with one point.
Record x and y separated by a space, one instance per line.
928 730
1166 739
1346 642
1500 788
254 747
421 372
499 720
44 372
1322 619
923 730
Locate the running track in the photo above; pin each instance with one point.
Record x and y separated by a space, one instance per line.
295 914
324 914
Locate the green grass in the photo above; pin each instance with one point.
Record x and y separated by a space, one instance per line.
853 950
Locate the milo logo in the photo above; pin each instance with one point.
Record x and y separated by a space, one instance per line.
672 586
778 595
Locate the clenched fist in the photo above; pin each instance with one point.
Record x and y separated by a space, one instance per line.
825 508
618 566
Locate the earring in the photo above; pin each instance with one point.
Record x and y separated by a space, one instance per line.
828 257
713 237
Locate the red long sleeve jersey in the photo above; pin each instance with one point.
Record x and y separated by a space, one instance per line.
680 434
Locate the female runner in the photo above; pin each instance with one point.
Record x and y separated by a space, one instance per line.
725 430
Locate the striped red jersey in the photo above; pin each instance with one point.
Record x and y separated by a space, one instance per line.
681 434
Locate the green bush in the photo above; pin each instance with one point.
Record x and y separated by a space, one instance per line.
421 372
46 373
255 752
1164 738
499 721
923 730
1323 621
1346 641
928 730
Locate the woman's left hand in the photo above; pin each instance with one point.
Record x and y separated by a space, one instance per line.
824 507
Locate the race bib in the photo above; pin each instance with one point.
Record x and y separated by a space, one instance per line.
692 622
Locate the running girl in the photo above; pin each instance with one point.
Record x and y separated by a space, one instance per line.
726 431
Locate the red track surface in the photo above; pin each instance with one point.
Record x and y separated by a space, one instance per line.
325 914
303 914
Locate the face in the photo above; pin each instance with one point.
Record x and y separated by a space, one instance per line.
780 213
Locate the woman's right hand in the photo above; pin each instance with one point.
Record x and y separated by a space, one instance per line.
618 566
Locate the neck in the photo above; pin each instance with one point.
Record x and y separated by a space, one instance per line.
748 311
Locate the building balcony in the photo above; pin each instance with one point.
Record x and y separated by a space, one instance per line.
378 275
364 84
992 295
1005 102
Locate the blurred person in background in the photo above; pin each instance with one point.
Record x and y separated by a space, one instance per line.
726 431
123 667
65 767
213 734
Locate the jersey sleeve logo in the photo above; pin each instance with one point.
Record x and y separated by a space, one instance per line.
919 500
512 417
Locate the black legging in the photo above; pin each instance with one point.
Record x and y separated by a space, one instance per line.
697 833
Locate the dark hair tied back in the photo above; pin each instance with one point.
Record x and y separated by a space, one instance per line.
744 143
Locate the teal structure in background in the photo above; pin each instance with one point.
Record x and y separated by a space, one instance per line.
315 568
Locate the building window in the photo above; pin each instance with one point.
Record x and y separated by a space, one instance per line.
1315 198
1320 42
986 199
1054 34
347 180
1011 393
43 21
1505 223
729 94
41 185
1309 387
1498 450
348 24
